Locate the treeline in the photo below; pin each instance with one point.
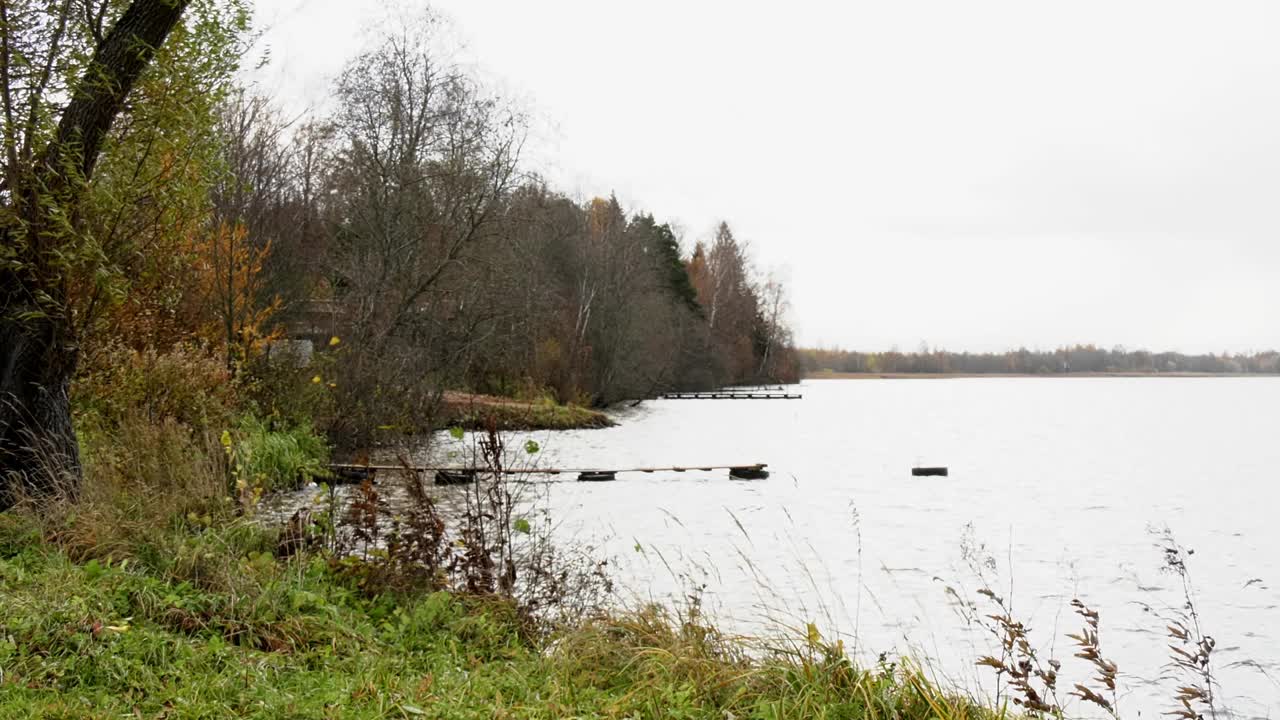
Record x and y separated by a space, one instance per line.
1075 359
403 223
346 268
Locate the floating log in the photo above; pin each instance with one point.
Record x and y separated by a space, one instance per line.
749 473
925 471
352 473
455 477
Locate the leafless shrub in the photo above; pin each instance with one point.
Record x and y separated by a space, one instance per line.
507 554
487 564
487 547
401 549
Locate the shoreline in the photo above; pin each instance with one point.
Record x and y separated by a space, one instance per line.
472 412
954 376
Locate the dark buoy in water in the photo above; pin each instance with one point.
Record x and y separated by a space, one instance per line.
924 471
754 472
597 476
455 477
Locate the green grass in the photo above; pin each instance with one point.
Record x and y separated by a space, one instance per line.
219 628
277 456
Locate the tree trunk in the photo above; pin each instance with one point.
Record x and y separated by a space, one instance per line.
116 65
39 456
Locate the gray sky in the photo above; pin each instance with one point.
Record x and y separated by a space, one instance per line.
975 175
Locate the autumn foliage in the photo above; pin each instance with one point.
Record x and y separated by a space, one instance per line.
203 288
227 305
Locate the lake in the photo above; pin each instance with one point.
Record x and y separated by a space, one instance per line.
1055 489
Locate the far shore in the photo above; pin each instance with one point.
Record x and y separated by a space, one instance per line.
952 376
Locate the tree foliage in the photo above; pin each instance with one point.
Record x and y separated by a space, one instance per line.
193 218
90 180
441 264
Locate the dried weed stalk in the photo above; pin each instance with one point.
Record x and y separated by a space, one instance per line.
1031 681
1190 649
1090 649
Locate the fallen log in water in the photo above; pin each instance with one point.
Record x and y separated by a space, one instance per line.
455 477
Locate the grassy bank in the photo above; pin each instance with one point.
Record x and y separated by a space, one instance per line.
474 412
218 627
157 593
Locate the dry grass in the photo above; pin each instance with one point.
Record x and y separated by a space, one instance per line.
476 412
145 478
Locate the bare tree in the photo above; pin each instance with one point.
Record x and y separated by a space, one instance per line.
422 168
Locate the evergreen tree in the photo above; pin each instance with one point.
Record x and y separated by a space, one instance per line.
662 243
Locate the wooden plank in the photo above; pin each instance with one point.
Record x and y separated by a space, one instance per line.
540 471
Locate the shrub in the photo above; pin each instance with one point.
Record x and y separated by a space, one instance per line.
280 385
185 385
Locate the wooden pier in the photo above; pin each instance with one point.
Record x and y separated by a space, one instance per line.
728 395
352 472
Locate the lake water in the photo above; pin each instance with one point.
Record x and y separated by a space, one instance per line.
1058 482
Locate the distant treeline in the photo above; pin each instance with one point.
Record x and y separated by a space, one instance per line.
1075 359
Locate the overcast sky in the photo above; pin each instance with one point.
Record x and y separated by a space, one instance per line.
974 175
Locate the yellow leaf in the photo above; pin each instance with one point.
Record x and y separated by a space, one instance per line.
316 380
334 341
815 637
